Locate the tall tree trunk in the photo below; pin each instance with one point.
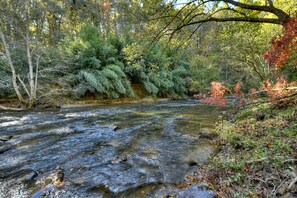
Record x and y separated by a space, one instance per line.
31 75
14 76
29 56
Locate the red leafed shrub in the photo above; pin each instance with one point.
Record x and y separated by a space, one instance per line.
284 46
199 96
217 95
277 90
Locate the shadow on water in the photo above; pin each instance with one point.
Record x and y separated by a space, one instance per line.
138 150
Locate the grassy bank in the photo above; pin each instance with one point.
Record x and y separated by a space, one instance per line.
257 156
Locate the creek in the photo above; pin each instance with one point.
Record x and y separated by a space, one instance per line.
127 150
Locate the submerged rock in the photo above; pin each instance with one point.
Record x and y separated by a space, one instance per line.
208 134
102 189
49 184
31 176
59 180
5 138
5 147
150 152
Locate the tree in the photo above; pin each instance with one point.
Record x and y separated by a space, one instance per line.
32 76
25 33
197 12
240 55
13 72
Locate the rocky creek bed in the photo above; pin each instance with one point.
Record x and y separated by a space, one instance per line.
132 150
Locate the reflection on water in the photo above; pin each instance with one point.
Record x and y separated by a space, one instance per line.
113 151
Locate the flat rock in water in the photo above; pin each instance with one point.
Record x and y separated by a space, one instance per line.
150 152
198 154
208 134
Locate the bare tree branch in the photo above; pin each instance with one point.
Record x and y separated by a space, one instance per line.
24 86
168 24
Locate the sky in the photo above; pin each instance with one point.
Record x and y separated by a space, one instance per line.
181 2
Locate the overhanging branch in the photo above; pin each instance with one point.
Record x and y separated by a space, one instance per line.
281 15
239 19
237 11
242 19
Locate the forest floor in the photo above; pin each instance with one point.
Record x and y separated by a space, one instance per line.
257 154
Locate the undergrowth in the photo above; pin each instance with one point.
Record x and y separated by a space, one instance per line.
257 156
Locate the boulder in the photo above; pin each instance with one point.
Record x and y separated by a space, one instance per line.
115 128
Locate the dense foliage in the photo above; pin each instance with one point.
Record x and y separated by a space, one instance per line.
71 50
116 48
98 65
107 68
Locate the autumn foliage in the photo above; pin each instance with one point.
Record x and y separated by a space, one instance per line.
283 50
275 91
216 94
284 46
279 89
237 90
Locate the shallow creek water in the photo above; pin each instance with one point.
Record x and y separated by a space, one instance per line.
132 150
